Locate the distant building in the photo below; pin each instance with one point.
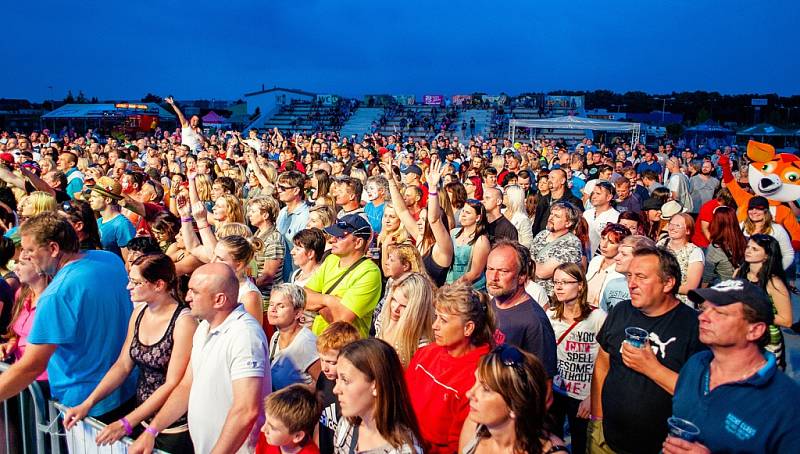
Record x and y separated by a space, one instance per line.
655 118
269 101
19 115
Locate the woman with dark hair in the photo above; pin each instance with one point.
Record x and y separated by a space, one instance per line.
429 231
471 246
458 197
439 375
602 268
377 416
320 183
165 227
574 319
83 220
159 345
762 266
725 251
508 406
633 221
722 197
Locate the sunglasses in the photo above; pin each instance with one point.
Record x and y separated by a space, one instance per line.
510 356
68 207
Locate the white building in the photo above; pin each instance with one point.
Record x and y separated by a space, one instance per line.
269 101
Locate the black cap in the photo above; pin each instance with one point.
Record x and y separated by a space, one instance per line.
413 168
758 202
652 203
353 224
736 291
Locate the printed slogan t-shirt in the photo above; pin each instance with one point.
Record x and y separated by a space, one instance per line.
576 353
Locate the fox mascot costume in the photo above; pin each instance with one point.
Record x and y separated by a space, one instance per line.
773 176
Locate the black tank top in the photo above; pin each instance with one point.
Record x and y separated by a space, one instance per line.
437 273
153 360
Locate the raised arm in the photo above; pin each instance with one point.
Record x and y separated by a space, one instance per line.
399 204
169 100
443 248
12 178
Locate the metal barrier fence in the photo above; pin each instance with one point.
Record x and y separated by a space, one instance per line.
44 433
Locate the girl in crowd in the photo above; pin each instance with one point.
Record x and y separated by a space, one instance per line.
633 221
82 218
22 313
759 220
293 353
376 414
429 231
439 375
762 266
726 246
473 187
471 247
515 212
392 231
690 257
321 183
458 197
508 406
269 260
401 259
159 344
227 208
652 223
203 187
237 251
601 269
321 216
407 321
307 253
575 321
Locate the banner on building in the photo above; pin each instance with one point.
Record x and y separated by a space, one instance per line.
433 100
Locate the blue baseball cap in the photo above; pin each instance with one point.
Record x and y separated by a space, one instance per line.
350 223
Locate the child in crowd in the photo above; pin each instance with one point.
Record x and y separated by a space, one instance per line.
329 343
292 414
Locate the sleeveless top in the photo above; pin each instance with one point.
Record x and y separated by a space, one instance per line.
437 273
462 259
472 446
153 360
683 256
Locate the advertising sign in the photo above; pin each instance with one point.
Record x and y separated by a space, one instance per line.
433 100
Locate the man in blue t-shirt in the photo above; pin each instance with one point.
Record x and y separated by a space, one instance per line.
115 229
81 318
734 393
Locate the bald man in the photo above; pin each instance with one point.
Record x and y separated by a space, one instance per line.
229 373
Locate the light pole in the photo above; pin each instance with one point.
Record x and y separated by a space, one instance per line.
663 106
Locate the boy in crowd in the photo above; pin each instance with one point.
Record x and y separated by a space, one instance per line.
292 414
329 343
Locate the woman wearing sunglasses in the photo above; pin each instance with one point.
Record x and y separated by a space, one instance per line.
507 406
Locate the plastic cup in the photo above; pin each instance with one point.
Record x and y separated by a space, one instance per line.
683 429
636 336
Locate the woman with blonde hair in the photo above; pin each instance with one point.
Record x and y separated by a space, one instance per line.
573 319
392 231
270 260
407 321
439 375
690 257
517 214
508 406
203 187
759 220
237 252
227 208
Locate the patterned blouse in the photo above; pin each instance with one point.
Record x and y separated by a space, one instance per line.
564 249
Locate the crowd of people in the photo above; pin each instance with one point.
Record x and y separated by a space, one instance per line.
255 292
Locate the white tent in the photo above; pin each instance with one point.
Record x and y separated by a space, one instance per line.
576 123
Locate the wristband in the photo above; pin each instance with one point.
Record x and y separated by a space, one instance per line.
433 193
151 431
127 426
189 219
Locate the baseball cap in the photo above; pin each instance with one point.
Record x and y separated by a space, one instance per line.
736 291
413 168
758 202
350 223
8 158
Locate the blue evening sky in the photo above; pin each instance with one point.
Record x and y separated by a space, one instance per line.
224 48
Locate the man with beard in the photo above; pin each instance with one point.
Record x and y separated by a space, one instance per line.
703 185
521 321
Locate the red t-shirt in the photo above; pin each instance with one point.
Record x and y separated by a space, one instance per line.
262 447
706 214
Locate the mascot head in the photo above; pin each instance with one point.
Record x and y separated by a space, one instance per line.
776 177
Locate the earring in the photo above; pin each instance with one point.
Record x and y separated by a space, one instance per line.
374 393
512 415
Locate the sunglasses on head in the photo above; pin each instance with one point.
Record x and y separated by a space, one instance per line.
510 356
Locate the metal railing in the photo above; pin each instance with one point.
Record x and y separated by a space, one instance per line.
44 433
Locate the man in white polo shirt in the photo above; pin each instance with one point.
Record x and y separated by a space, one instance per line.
228 376
601 212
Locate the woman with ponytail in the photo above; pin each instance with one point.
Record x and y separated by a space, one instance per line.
439 375
237 251
159 344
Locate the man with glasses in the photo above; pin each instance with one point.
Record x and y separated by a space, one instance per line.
347 285
81 319
293 217
634 378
